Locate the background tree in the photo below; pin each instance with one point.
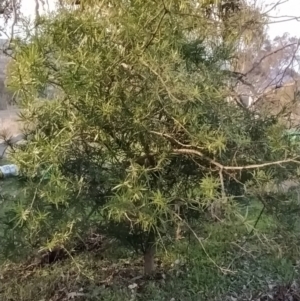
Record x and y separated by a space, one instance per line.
272 66
5 95
7 8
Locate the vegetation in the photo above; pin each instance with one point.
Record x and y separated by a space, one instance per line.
139 145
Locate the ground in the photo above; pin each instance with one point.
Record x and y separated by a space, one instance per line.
9 121
230 264
9 126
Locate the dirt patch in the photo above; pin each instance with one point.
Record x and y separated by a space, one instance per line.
9 122
10 126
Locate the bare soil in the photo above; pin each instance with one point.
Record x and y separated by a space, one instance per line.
9 126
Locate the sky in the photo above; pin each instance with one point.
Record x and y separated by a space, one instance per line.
28 6
287 8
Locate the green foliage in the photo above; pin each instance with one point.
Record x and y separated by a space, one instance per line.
139 134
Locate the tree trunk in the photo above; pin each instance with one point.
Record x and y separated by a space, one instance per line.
149 254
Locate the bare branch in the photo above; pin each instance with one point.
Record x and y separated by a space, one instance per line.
175 141
195 150
269 54
286 20
163 13
15 18
224 167
274 6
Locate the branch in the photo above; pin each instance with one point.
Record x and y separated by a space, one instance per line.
274 6
291 61
242 77
270 90
15 17
224 167
175 141
164 12
223 270
170 94
269 54
285 20
195 150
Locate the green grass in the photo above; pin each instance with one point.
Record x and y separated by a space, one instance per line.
9 188
103 279
186 272
10 191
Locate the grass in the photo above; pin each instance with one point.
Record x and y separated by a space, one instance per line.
186 271
111 279
8 187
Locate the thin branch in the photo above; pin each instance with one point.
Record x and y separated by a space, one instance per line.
161 80
274 6
15 18
291 62
284 16
37 15
242 249
224 167
269 54
270 90
190 150
222 184
286 20
173 140
248 235
164 12
223 270
256 222
242 77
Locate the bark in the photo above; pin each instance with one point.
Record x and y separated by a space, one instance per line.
149 255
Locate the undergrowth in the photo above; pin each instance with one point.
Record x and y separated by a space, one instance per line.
229 263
